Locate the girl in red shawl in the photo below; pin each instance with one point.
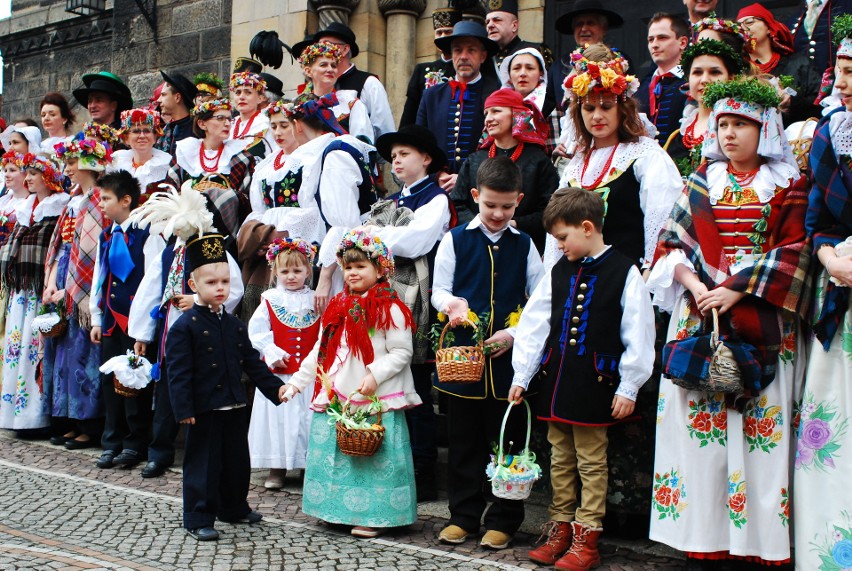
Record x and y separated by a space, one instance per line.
735 242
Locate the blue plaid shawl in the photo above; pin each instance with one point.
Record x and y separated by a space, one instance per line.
829 221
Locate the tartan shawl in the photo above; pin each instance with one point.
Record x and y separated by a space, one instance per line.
88 226
829 221
24 253
779 279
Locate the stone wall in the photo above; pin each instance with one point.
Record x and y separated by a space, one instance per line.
46 49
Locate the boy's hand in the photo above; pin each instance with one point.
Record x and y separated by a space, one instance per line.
184 302
286 392
190 420
516 394
95 335
139 348
457 310
368 385
504 339
622 407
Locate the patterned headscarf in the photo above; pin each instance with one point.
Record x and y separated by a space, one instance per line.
527 120
321 108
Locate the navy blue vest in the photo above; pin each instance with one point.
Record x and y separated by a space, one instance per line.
492 277
116 295
421 194
366 190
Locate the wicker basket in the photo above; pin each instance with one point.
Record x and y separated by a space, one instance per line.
517 486
725 374
123 391
359 441
59 329
801 146
459 364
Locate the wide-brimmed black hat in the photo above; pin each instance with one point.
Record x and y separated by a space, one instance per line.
338 30
243 63
182 85
565 23
207 249
273 84
418 137
510 6
467 29
108 83
299 47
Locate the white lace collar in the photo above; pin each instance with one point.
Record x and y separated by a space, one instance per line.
186 155
840 127
50 207
624 156
771 176
123 160
299 302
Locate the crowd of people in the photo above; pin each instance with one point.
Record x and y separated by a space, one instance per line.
232 261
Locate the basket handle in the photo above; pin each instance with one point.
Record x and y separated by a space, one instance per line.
345 408
714 336
447 327
500 455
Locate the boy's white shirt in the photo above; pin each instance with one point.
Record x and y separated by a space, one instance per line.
142 327
427 226
636 331
152 250
445 266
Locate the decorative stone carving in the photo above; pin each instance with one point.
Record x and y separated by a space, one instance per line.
413 7
334 11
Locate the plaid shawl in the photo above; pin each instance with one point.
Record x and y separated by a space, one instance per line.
829 221
779 278
410 278
88 226
22 256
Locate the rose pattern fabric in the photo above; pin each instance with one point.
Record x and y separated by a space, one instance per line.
708 420
737 499
784 514
761 425
820 431
669 493
834 547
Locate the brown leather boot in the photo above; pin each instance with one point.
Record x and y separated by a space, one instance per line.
558 535
583 554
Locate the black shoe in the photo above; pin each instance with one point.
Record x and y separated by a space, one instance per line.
107 459
74 444
58 440
153 469
251 517
204 533
128 458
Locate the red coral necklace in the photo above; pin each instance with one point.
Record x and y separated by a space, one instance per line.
237 134
202 158
604 172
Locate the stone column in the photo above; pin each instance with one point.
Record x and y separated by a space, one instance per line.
401 32
334 11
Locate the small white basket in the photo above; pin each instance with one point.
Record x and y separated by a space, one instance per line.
515 481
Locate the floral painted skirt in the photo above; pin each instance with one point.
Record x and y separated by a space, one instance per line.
721 477
22 403
822 495
376 491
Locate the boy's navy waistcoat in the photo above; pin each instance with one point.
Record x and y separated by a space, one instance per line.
492 277
584 347
116 295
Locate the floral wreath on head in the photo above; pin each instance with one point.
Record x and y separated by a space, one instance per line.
208 83
141 116
711 47
12 158
50 171
211 106
102 132
600 76
85 148
318 50
841 31
281 106
248 79
725 26
376 250
280 245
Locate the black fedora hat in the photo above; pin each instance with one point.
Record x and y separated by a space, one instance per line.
104 82
468 29
299 47
273 84
565 23
182 85
340 31
416 136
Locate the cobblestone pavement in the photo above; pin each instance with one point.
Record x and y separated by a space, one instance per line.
58 511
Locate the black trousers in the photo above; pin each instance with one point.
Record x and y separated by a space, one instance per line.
127 422
216 468
421 423
473 428
164 427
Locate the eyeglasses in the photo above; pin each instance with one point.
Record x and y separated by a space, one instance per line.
222 118
140 131
749 22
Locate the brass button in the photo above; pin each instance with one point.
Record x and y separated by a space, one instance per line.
579 308
575 319
112 295
581 297
458 149
496 248
206 333
572 342
600 378
456 119
584 287
114 283
573 331
194 318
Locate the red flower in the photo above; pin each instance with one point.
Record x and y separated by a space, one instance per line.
737 502
594 70
701 422
620 85
682 334
676 496
751 427
720 420
766 426
790 343
664 496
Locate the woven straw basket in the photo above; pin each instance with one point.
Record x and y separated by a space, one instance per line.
725 373
459 364
123 391
359 441
515 487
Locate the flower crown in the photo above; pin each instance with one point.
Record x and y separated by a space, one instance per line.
725 26
600 77
50 171
749 90
82 146
248 79
141 116
282 106
376 250
318 50
711 47
102 132
280 245
211 106
208 83
13 158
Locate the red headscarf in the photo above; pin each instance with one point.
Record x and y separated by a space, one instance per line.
779 34
528 124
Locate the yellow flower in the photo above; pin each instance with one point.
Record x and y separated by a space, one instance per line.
776 437
442 317
514 318
580 84
472 317
608 78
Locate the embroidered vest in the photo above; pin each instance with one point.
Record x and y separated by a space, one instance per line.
295 334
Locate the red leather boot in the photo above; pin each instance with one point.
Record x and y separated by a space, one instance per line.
558 534
583 554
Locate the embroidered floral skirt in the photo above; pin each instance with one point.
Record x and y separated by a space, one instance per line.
376 491
823 497
721 477
22 403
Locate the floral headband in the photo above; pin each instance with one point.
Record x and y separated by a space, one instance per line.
280 245
102 132
727 27
318 50
282 106
50 171
600 77
208 83
711 47
12 158
141 116
91 154
211 106
376 250
248 79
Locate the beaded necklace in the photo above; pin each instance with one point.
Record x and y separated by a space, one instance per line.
604 172
202 158
244 134
492 151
